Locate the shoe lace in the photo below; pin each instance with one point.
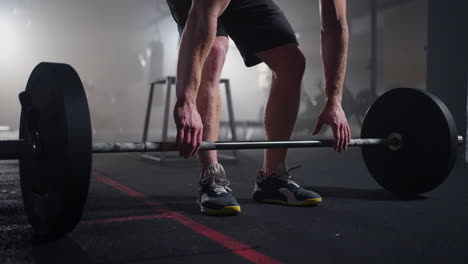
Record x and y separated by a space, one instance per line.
217 183
286 177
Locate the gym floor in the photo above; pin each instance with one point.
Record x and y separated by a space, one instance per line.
141 212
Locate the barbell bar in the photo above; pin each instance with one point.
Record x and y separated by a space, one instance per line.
227 145
393 143
20 149
408 141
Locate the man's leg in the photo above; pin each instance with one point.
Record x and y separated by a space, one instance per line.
214 196
274 184
287 64
209 100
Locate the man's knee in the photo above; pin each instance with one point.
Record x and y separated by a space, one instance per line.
293 64
286 62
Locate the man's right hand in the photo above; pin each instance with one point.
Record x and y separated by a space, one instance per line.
189 128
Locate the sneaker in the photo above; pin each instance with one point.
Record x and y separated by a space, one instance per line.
279 188
214 196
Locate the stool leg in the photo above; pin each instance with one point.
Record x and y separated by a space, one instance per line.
167 104
148 113
230 108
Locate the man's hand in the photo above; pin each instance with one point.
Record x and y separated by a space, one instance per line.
334 116
189 128
334 49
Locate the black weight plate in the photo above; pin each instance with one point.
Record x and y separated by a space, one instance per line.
430 141
55 185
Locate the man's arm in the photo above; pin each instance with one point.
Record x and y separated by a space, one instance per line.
197 40
334 49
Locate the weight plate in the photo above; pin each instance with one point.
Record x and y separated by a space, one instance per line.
429 137
55 184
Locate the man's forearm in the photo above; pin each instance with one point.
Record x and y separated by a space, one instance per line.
196 43
334 49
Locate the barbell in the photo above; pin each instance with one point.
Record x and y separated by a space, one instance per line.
408 139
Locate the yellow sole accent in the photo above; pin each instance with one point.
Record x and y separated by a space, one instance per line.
313 201
308 202
228 210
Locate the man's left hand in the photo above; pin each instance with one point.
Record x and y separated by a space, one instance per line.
334 116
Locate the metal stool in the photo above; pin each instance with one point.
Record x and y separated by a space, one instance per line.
170 81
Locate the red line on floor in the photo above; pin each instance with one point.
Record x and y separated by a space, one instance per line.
125 219
236 247
128 191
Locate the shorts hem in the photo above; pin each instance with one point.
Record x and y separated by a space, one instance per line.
251 59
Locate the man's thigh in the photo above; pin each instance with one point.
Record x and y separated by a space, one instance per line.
180 10
256 26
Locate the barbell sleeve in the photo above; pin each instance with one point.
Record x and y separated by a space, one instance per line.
16 149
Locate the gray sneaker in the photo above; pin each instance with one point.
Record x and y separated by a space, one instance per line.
280 188
214 196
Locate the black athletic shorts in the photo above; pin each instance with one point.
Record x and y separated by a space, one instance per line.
254 25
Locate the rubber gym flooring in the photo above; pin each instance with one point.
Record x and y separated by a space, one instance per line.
141 212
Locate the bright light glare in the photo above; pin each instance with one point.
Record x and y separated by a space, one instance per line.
7 37
142 60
